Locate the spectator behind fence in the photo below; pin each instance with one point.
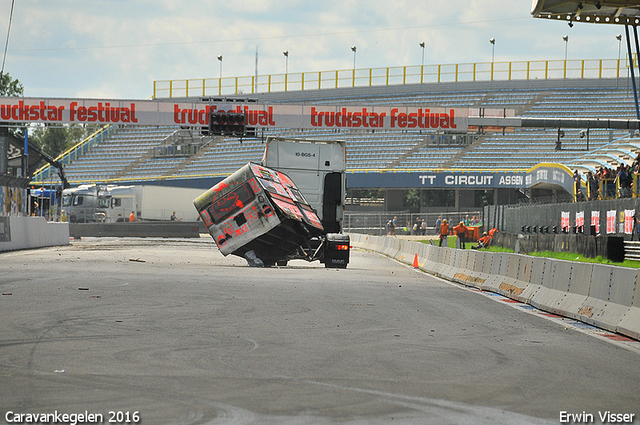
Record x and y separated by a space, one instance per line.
461 231
444 232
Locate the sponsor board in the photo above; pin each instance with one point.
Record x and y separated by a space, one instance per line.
151 112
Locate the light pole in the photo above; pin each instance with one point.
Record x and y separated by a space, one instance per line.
492 40
220 59
286 61
286 68
353 49
619 38
422 45
566 46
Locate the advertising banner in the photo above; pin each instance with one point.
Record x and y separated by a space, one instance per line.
196 114
611 221
628 221
565 221
580 219
595 220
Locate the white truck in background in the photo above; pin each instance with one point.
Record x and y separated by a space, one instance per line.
111 204
318 168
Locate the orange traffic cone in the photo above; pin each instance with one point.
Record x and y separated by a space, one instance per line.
415 262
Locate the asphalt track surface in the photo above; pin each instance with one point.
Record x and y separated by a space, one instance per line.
176 332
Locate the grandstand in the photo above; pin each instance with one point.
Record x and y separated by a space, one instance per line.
145 154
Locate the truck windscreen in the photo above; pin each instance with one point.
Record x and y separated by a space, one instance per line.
229 203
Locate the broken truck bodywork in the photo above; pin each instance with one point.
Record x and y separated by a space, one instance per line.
259 212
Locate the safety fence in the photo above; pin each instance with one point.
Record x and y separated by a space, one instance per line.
604 296
395 75
374 223
607 217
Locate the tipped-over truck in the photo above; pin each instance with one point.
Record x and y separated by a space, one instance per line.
262 213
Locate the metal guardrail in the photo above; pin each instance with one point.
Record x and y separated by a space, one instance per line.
395 75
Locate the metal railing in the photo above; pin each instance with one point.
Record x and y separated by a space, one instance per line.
43 173
479 71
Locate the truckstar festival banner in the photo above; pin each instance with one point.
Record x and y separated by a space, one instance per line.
145 112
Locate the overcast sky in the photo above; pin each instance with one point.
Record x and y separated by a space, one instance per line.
117 48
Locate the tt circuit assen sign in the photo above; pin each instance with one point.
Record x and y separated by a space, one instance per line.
166 113
440 180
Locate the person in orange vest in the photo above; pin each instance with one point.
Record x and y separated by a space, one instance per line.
132 217
484 241
444 231
461 231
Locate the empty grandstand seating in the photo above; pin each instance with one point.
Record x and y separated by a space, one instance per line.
128 153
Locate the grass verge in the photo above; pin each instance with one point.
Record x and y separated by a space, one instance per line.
568 256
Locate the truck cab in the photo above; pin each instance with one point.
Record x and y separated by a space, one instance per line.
318 167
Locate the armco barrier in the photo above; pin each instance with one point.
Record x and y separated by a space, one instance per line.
605 296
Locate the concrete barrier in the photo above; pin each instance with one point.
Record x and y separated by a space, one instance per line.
610 296
540 269
604 296
141 229
31 232
630 323
570 305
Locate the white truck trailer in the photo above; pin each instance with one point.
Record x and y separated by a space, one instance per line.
111 204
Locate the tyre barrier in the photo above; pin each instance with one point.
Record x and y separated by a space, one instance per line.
604 296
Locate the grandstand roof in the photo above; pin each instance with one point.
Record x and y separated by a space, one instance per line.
619 12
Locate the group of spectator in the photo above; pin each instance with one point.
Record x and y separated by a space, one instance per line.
621 177
443 230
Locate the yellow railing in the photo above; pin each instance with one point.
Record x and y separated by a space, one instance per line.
481 71
45 172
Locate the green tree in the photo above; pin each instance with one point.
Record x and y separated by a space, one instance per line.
10 87
55 139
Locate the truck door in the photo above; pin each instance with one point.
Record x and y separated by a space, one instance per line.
331 201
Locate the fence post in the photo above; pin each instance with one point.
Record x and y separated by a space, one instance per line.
546 70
